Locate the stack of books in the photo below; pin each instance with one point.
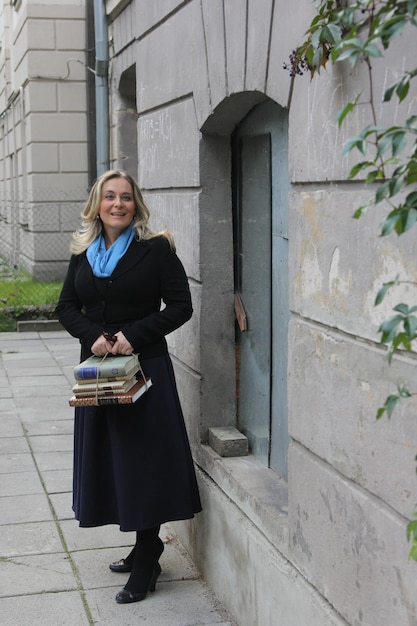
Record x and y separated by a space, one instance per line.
109 380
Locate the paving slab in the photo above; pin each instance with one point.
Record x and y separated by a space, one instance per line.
63 609
22 509
62 505
41 573
29 538
51 570
20 484
54 460
16 463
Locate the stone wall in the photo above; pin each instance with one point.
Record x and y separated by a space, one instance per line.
328 546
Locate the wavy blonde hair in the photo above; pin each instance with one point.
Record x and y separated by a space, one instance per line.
91 226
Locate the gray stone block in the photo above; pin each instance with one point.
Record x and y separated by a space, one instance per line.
228 441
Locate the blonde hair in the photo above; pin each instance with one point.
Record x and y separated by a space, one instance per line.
91 225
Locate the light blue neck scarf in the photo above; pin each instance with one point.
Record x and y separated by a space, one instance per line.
104 261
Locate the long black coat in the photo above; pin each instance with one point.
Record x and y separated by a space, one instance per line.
132 463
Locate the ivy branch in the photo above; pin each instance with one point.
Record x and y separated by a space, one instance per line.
361 31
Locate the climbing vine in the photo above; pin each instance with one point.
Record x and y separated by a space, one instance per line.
361 31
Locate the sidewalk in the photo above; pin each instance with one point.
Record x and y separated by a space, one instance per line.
51 571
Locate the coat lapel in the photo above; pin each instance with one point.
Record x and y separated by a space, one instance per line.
134 255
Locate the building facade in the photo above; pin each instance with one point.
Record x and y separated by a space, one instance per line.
43 132
244 166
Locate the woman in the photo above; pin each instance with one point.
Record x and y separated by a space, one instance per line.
132 463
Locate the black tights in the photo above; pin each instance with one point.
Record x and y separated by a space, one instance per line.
144 557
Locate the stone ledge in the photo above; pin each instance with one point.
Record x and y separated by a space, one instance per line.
259 492
38 325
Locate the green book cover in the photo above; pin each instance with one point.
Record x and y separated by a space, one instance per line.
112 365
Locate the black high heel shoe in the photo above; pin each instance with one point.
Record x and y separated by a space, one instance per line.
124 596
124 565
121 566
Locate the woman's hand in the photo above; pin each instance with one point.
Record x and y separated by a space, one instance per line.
106 344
101 346
122 345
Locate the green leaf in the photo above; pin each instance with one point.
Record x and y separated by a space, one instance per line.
401 308
390 404
336 33
372 50
411 200
411 219
388 93
344 112
360 211
359 167
382 192
389 224
374 176
388 328
403 88
410 326
383 291
399 141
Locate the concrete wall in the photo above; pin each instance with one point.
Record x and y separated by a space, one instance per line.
328 546
43 137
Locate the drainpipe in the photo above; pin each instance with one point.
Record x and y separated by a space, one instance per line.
102 90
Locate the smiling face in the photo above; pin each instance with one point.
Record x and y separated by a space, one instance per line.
117 207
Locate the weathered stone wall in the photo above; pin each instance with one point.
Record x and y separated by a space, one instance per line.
329 546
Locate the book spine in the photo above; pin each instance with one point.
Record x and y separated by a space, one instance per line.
91 400
87 373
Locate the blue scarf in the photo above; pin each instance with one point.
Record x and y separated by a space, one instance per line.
104 261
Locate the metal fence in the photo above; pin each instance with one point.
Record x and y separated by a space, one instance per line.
35 232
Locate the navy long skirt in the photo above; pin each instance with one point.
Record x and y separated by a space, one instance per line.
132 463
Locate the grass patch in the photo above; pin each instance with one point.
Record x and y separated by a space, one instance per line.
28 292
23 298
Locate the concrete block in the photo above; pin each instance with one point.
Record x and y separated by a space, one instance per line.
168 147
351 546
212 12
335 387
338 264
316 144
42 157
258 36
57 64
56 127
179 212
283 41
183 342
228 441
149 13
70 34
73 157
161 80
235 41
72 96
40 35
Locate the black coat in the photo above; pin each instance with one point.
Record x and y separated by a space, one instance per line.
132 463
129 300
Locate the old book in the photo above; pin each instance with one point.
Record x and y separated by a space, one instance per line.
112 365
103 379
118 386
116 398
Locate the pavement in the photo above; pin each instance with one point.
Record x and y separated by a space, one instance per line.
51 571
